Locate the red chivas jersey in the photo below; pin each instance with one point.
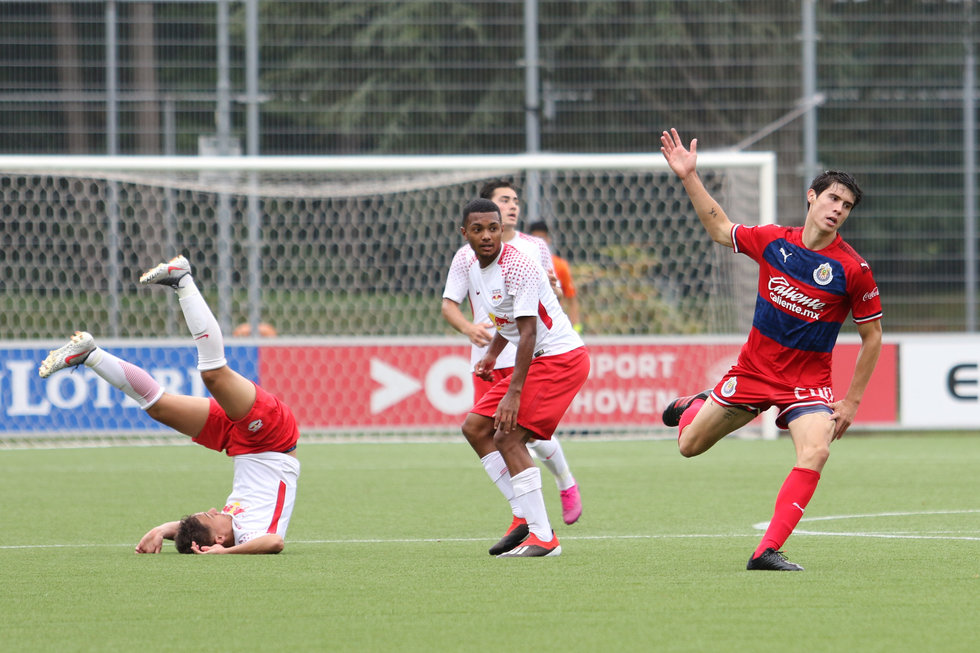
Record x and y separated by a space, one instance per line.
804 296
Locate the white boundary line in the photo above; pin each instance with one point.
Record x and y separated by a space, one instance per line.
935 535
760 526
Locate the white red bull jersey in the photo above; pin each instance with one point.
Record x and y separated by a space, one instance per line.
458 288
263 494
516 286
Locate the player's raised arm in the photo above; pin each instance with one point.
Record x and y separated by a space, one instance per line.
684 164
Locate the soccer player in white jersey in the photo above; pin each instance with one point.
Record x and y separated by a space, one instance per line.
251 425
551 366
480 331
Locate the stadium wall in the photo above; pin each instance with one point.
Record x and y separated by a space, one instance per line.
422 386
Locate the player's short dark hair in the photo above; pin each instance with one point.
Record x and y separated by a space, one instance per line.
825 179
487 191
190 529
540 225
480 205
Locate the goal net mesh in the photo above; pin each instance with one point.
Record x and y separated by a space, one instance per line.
362 253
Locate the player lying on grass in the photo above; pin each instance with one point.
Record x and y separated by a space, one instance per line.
809 280
250 424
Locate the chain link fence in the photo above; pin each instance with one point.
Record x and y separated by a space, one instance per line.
884 89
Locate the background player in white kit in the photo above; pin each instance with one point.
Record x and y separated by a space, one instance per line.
551 366
250 424
480 332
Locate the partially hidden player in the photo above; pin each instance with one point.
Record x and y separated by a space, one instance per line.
254 427
809 281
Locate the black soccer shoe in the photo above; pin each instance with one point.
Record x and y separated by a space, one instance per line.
674 410
533 547
516 533
772 560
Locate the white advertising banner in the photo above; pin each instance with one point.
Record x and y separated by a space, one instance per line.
940 382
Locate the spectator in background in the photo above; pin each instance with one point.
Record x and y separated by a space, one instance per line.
568 297
244 330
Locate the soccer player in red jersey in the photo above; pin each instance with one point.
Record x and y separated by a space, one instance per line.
809 281
250 424
550 367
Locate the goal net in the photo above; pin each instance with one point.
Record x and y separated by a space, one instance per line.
359 246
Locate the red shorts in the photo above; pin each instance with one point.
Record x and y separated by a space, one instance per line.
269 426
551 384
480 386
757 393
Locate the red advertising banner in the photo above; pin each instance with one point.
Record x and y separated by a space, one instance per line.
380 386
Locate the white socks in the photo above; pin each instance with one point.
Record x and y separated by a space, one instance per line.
527 491
132 380
202 325
551 455
496 469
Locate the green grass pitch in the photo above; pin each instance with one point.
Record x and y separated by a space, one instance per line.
387 552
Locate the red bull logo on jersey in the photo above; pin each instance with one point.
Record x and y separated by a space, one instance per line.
499 322
496 296
233 509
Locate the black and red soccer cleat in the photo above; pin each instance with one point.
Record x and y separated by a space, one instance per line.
533 547
674 410
516 533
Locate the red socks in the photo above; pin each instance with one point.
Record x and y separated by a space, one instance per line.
688 415
790 503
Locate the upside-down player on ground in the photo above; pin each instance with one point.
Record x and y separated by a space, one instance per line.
809 280
480 332
551 366
250 424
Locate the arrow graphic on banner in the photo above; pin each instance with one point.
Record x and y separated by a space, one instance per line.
395 386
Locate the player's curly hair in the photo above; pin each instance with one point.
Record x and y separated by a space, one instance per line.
480 205
189 530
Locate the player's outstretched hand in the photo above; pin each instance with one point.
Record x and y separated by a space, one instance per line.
681 160
152 542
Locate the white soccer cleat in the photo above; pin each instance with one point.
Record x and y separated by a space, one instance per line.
72 354
169 273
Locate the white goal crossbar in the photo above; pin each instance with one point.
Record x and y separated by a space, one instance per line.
763 162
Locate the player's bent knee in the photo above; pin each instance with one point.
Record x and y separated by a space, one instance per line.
476 427
689 446
814 457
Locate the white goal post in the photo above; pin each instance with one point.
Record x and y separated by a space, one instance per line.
358 246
